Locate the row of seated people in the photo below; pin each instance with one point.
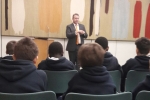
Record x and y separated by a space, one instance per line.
21 76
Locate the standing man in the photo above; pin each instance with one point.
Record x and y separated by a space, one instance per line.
75 33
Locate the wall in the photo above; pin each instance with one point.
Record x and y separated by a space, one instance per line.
48 18
123 50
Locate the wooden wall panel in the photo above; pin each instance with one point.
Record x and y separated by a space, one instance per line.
43 49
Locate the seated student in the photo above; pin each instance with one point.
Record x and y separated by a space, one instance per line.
56 61
94 77
143 86
20 75
9 50
140 62
110 62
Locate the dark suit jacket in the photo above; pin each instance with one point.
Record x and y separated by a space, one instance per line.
70 34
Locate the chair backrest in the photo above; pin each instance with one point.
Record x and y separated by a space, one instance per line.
58 80
116 76
45 95
133 78
120 96
143 95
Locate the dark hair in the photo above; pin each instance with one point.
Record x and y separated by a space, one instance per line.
75 14
90 55
26 49
143 45
102 41
10 47
55 48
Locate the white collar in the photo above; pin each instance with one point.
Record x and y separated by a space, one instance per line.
8 55
148 54
53 58
76 24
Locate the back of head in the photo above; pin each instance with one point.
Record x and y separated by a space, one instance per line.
103 42
90 55
10 47
26 49
143 45
55 48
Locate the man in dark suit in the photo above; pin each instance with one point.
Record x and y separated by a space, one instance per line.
75 33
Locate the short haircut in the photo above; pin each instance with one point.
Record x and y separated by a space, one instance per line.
10 47
55 48
90 55
26 49
75 14
143 45
102 41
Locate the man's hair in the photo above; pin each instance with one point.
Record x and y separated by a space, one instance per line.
102 41
75 14
55 48
90 55
26 49
10 47
143 45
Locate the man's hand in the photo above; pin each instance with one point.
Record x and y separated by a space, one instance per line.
76 32
81 31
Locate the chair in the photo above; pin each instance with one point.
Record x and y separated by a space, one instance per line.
133 78
143 95
120 96
45 95
58 80
116 76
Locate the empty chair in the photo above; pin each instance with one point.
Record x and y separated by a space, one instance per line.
133 78
116 76
58 80
143 95
120 96
45 95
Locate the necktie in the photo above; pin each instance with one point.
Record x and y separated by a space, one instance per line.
77 37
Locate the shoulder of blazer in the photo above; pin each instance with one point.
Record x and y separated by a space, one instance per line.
70 25
81 24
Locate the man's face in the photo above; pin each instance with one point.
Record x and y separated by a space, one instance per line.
75 19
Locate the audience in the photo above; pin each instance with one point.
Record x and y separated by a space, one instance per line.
144 85
140 62
93 78
56 61
110 62
9 50
20 75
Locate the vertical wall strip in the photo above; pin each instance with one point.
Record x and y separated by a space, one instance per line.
6 14
91 17
137 19
0 28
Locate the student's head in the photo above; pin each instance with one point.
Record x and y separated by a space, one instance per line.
90 55
10 47
55 50
75 18
103 42
26 49
142 46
